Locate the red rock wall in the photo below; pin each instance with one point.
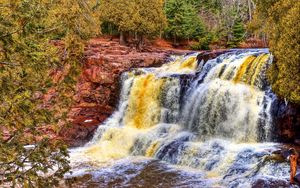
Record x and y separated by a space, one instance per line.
97 91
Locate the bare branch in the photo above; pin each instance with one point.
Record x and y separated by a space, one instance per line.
7 34
49 30
9 64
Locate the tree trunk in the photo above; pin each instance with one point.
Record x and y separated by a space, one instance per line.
140 42
175 41
122 38
136 37
250 9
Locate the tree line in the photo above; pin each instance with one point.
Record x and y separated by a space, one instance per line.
202 21
28 58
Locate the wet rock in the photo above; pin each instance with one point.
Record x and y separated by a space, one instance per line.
297 178
80 180
286 121
207 55
285 154
185 83
281 154
297 141
270 183
77 135
170 151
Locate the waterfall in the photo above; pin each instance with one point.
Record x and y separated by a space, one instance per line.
212 116
229 101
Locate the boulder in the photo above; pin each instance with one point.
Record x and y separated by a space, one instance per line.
270 183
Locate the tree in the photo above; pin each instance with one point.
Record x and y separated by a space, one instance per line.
118 13
281 23
144 17
27 56
238 34
183 20
149 20
221 16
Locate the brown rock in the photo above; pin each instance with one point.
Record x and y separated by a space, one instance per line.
97 75
269 183
286 121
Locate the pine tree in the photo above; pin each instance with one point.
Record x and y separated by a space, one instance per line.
238 34
183 20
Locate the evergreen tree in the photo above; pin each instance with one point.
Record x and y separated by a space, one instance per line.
238 34
280 20
183 20
26 59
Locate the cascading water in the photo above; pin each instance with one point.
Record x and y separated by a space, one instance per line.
209 119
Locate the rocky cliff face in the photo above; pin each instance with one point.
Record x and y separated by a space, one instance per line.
286 122
97 91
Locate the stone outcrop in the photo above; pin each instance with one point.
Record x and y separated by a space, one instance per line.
207 55
286 122
97 91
